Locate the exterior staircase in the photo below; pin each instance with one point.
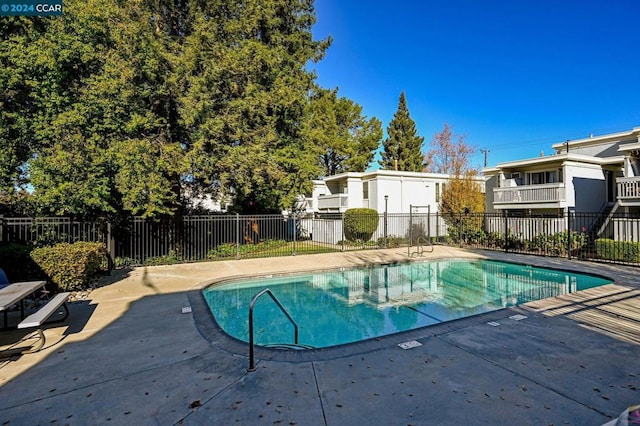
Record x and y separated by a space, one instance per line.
600 224
597 228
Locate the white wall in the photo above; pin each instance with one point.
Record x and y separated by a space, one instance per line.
355 192
603 150
403 189
490 184
319 188
326 231
403 192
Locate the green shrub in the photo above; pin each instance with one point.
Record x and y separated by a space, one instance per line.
17 263
228 250
627 251
578 241
263 248
168 259
513 242
360 243
70 266
392 242
464 228
360 224
124 262
494 239
222 251
556 244
476 236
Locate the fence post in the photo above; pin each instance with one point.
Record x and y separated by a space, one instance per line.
237 235
1 228
111 249
506 230
568 233
342 218
429 223
295 234
386 236
410 230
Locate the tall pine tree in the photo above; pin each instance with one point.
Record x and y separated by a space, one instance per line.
403 147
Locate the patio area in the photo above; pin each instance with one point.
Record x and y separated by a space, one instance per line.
129 355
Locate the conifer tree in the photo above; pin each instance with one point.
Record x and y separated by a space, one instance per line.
244 112
403 147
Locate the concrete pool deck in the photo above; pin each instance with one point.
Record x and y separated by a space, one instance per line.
128 355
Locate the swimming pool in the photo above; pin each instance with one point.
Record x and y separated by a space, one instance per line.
348 305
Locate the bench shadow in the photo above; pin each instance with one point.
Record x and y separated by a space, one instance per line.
14 341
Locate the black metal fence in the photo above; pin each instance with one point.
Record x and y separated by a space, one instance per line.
610 238
50 230
196 238
590 236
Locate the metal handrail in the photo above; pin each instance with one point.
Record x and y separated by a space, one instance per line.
252 366
420 248
427 242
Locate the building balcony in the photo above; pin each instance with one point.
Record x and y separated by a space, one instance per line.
530 196
333 203
628 189
305 204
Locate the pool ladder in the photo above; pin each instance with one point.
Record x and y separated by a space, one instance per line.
420 247
252 366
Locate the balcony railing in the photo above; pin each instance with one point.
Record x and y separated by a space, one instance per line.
526 194
334 202
628 188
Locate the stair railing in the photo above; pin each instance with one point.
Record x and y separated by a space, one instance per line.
252 366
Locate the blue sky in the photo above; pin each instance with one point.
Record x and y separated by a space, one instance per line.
514 76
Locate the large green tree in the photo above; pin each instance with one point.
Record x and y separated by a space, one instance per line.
248 84
345 138
118 106
96 107
402 149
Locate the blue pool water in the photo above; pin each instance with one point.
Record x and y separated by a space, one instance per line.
344 306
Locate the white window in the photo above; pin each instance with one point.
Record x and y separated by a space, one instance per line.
536 178
540 178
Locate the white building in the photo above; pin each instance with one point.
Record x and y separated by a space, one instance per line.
393 191
396 192
598 174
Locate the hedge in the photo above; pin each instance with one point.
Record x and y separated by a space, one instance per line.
626 251
70 266
360 224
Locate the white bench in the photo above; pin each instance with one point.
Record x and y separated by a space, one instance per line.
42 315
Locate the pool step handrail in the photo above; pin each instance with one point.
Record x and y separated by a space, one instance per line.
252 366
419 246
